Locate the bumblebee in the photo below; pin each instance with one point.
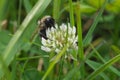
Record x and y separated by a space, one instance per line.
44 23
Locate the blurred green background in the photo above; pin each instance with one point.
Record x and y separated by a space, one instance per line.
105 38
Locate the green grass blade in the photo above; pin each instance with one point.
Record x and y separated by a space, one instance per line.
111 68
94 65
79 29
71 13
103 67
10 50
80 45
89 34
56 9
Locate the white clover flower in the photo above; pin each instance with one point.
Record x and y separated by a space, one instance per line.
58 37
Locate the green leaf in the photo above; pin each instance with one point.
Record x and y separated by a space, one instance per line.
87 9
96 3
112 5
84 8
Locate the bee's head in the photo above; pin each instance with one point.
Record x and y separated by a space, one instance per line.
44 23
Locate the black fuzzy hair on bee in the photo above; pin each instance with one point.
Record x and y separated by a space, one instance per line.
45 23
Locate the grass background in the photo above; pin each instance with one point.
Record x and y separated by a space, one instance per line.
97 23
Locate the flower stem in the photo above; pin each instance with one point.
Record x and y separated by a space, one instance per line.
52 64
